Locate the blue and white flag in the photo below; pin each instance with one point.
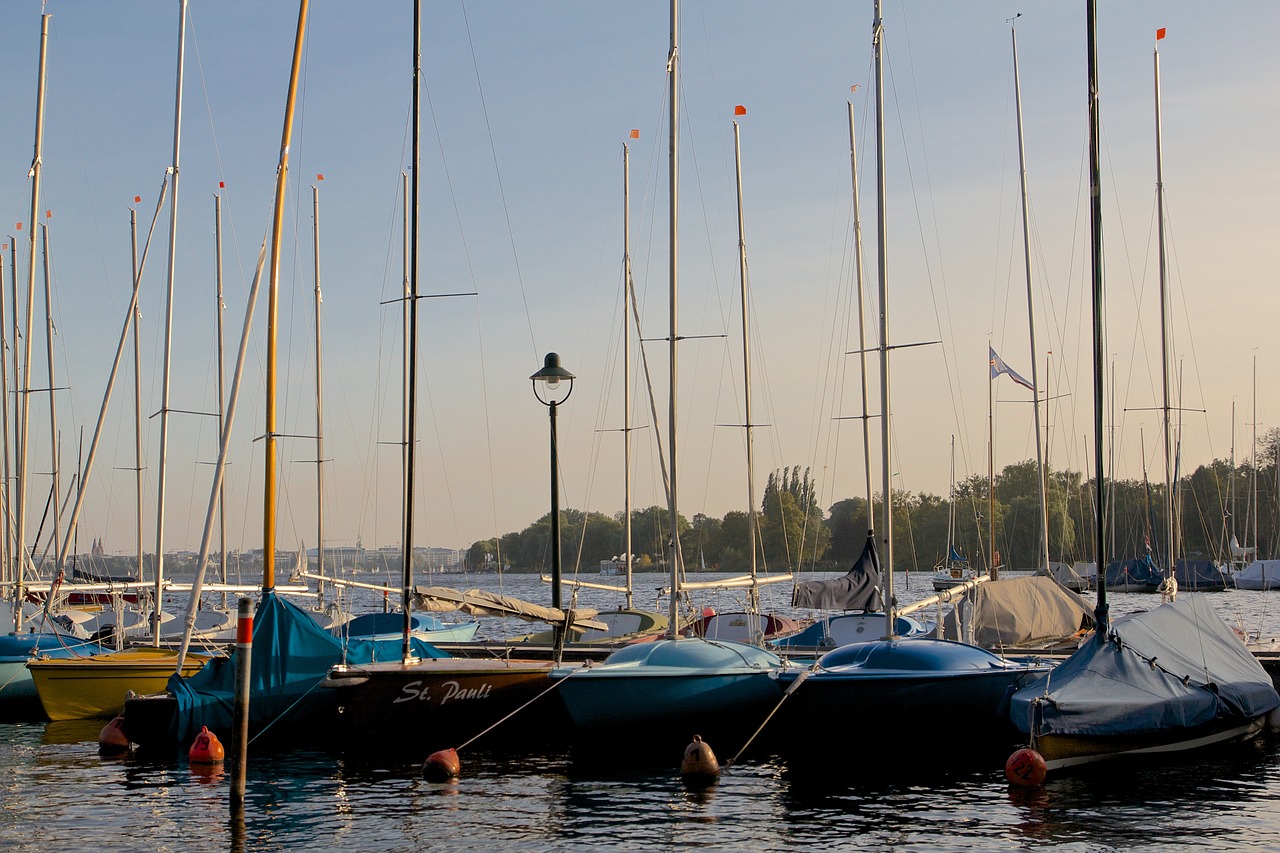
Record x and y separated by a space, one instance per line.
998 366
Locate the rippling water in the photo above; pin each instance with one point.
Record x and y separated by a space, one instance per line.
56 793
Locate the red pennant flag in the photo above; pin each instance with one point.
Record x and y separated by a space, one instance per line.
320 177
221 184
48 214
137 199
635 133
1160 33
739 110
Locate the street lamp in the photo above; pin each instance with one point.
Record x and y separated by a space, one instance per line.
556 386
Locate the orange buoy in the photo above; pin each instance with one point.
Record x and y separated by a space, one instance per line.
207 749
441 766
699 765
1025 767
112 739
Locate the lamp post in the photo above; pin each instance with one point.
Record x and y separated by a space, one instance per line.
552 385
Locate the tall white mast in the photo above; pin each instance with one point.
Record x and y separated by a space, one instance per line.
626 357
315 219
862 326
1169 505
753 602
54 439
168 328
24 385
1031 315
886 533
673 182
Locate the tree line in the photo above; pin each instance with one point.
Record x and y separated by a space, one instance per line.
1214 503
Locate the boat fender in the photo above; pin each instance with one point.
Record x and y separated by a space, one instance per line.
112 740
441 766
206 749
1025 768
699 765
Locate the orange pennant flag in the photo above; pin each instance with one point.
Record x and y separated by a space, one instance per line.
137 199
1160 33
635 133
19 226
854 87
48 214
739 110
320 177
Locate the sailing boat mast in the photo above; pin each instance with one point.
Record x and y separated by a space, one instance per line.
1099 337
54 439
862 333
315 223
1164 334
411 414
882 276
753 594
222 394
273 313
24 414
158 603
6 489
626 357
134 319
1031 316
673 184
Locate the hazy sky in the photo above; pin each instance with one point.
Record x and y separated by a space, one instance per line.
526 110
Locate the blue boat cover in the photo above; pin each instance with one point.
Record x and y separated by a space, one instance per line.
368 624
1199 574
1138 570
291 656
859 589
1177 666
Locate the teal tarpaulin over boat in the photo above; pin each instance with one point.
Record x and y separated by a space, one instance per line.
291 656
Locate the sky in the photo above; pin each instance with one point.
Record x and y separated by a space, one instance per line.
526 109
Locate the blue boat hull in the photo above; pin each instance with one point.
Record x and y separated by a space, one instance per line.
665 692
896 698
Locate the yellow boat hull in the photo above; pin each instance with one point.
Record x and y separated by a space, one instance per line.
84 688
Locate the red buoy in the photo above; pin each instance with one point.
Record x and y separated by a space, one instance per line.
207 749
1025 767
441 766
112 739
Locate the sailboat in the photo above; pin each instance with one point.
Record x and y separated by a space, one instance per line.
441 699
1165 680
664 691
896 687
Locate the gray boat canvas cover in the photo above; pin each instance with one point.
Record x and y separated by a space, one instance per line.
1175 667
1028 611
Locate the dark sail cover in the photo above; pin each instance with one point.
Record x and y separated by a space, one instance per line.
857 590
